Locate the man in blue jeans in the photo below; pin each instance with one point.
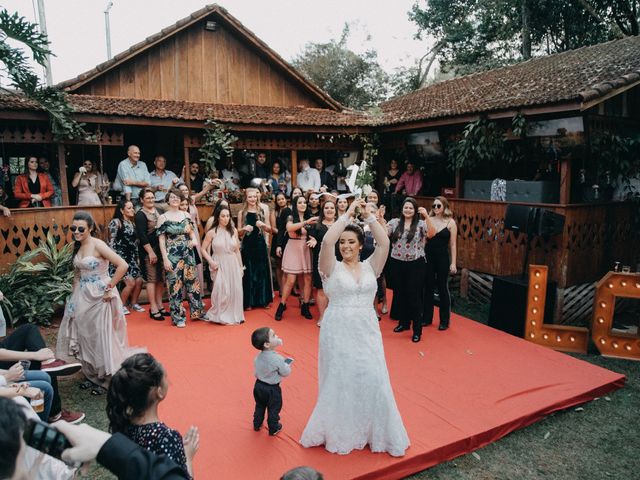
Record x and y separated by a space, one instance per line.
26 343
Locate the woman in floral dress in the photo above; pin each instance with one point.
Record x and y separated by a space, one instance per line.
124 241
177 236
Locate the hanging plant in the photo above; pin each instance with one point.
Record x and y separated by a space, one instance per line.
484 142
218 144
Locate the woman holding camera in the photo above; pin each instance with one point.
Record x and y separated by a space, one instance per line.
90 185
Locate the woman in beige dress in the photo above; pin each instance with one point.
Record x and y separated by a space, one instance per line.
90 185
94 329
221 250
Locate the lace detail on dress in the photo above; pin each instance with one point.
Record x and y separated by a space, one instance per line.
355 405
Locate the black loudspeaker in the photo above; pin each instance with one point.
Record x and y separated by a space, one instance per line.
509 304
549 223
520 218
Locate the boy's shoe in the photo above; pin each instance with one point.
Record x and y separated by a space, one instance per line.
60 368
277 430
137 307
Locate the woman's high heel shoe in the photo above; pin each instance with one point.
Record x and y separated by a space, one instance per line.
156 316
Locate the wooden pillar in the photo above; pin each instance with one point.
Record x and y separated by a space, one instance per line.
565 180
459 192
294 169
62 169
187 176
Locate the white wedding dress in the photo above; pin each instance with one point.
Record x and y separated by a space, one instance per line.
355 404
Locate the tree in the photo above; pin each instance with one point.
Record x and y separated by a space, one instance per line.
356 81
474 35
22 77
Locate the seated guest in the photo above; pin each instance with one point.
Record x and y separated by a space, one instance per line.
196 178
26 343
45 167
262 168
136 390
230 176
308 178
327 179
410 182
33 189
160 179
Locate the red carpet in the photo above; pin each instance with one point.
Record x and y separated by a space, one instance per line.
456 390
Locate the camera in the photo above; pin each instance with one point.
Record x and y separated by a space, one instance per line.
45 438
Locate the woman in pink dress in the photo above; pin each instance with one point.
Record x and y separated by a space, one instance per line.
221 250
90 184
296 259
94 329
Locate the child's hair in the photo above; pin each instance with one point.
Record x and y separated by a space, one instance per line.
128 396
259 337
302 473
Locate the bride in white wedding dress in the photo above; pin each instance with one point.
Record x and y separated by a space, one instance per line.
355 405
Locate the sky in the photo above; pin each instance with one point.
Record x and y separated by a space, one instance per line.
76 28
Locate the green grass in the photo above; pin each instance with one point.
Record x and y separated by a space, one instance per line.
600 440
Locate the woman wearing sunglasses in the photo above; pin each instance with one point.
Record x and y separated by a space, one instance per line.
440 252
94 329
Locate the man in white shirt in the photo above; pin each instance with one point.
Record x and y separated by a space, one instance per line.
133 174
308 178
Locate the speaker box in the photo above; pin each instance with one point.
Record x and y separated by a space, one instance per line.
520 218
509 304
549 223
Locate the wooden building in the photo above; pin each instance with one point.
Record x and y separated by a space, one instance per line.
159 92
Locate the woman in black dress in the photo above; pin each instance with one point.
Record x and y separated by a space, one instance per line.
253 225
391 179
279 226
124 241
440 252
326 219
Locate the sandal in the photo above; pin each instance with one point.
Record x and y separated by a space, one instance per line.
86 384
156 315
164 313
97 390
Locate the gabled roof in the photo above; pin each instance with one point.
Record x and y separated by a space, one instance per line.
195 111
234 25
580 76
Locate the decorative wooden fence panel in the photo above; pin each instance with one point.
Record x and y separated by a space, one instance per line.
595 235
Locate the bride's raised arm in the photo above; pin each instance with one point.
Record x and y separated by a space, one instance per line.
379 256
327 257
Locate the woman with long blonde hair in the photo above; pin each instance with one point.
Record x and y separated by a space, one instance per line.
253 226
440 252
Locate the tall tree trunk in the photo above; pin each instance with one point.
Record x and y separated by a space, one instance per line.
526 30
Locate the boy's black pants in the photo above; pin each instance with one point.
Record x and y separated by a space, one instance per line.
268 397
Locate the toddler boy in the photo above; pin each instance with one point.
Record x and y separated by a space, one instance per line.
270 367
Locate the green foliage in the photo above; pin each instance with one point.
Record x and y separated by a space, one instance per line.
38 283
476 35
616 158
218 144
22 77
355 80
484 142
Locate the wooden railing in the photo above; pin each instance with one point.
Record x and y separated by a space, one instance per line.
594 237
27 227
